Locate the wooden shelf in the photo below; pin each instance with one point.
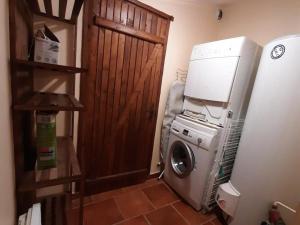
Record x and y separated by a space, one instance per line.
50 102
34 6
47 66
67 169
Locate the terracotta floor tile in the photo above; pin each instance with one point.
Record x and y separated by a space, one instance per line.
87 200
191 215
160 195
216 222
132 188
135 221
147 183
150 183
104 195
102 213
165 216
126 206
133 203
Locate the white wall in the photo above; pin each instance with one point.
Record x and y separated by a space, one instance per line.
260 20
7 187
58 82
194 23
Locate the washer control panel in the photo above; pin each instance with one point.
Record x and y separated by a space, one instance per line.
198 138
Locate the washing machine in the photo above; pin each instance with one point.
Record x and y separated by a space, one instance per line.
192 148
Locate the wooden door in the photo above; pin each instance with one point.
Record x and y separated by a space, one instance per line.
125 47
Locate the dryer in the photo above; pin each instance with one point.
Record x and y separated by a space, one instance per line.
220 78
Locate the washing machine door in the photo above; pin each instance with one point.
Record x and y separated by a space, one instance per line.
182 159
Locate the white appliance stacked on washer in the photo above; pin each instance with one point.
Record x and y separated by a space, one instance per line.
204 138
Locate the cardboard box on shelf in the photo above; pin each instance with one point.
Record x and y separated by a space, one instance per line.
46 47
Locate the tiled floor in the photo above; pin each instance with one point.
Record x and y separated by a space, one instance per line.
149 203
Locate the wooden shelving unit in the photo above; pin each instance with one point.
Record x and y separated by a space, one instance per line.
54 210
62 10
46 66
69 171
50 102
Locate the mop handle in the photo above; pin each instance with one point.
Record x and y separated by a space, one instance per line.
285 206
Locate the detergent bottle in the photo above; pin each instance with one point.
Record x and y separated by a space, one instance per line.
275 217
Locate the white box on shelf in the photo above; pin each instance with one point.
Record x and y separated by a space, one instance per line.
46 46
46 51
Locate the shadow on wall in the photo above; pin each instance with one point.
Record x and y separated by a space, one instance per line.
58 82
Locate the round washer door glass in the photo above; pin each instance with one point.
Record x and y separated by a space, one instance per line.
182 159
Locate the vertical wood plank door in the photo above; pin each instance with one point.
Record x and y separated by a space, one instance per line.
124 47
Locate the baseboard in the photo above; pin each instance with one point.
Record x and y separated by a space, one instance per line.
154 175
108 183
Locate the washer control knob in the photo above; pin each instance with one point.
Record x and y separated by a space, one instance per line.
199 141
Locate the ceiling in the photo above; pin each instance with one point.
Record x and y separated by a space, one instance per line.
223 1
220 2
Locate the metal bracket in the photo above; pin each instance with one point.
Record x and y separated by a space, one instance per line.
284 206
230 114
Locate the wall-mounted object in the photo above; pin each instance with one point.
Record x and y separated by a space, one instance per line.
219 14
227 198
267 162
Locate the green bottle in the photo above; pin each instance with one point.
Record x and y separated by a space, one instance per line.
46 139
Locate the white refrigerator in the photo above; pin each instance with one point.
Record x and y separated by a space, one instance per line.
267 167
